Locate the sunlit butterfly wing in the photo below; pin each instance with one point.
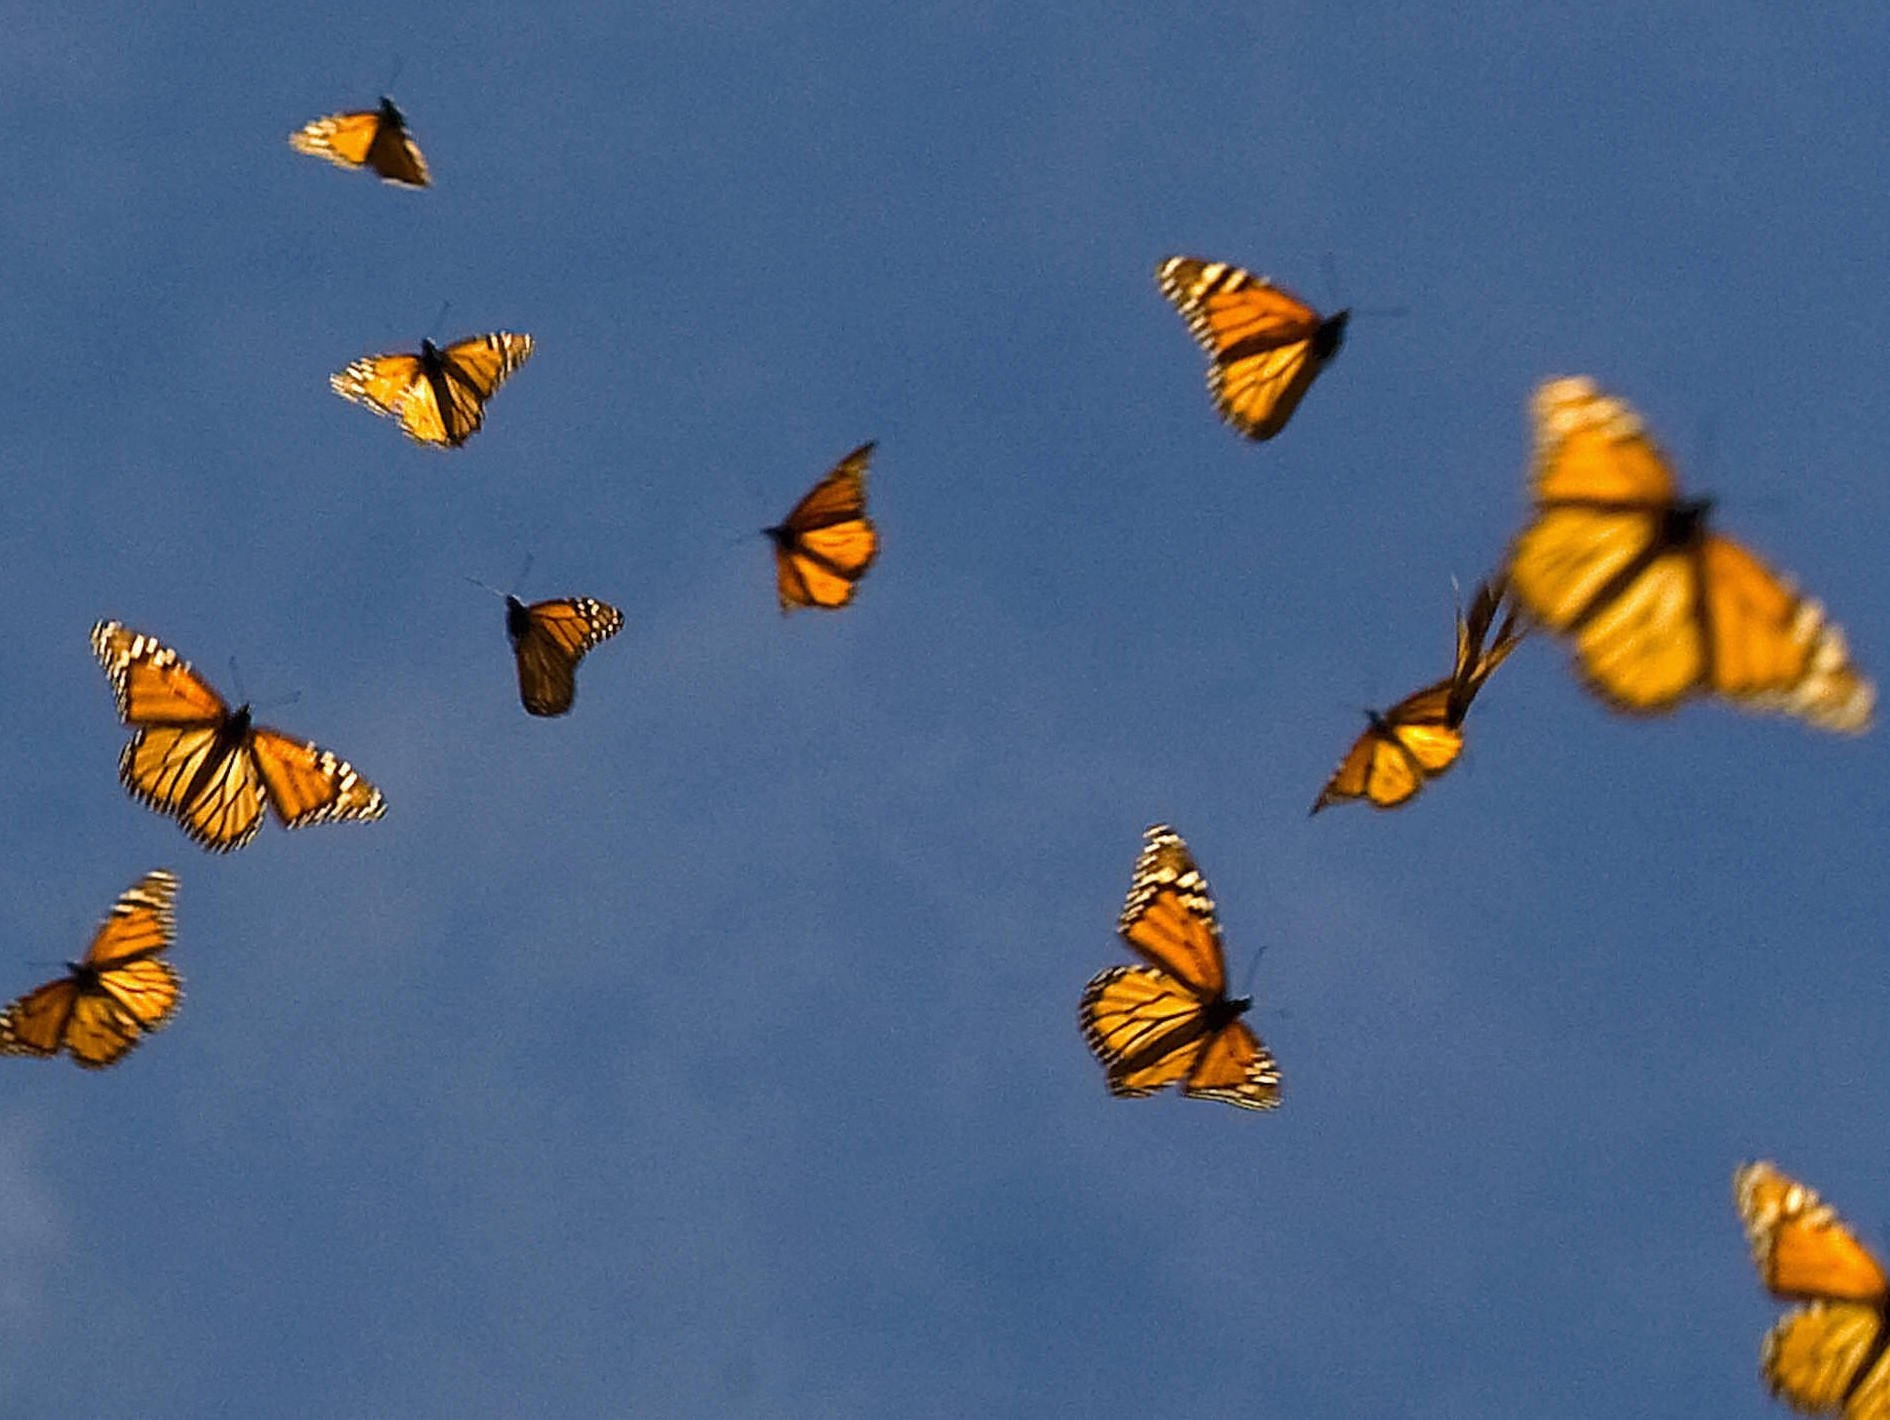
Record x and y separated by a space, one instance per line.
549 638
439 396
373 138
307 784
826 543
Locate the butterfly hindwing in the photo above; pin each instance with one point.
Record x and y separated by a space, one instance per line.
549 638
372 138
826 543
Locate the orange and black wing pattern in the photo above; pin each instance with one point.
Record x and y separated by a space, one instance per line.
376 139
1265 346
824 546
1171 1022
439 395
549 638
108 1000
1827 1357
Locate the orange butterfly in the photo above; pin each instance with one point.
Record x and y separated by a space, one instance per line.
1827 1357
373 138
209 767
109 998
824 546
439 396
1265 345
1172 1023
548 640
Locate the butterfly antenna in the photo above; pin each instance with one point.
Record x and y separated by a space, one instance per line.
523 572
290 699
1246 987
433 330
1329 268
236 679
388 87
485 585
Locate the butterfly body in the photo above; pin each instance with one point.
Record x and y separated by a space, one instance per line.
826 543
549 638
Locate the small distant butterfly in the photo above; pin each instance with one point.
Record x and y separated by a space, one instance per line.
1421 736
1171 1022
208 766
824 546
439 396
1828 1357
373 138
111 997
1265 346
548 640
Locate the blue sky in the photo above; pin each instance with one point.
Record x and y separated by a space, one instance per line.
712 1051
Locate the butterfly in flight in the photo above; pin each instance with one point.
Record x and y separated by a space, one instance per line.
1659 607
1421 736
208 766
439 396
1171 1022
108 999
1265 346
824 546
1829 1356
372 138
548 640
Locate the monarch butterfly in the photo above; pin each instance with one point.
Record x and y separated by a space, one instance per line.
439 396
1659 607
1172 1022
1828 1357
372 138
1421 736
1265 346
109 998
825 544
208 766
548 641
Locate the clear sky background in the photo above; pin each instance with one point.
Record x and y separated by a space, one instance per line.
713 1051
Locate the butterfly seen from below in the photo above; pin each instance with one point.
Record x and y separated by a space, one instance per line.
208 766
1265 346
548 640
1827 1357
824 546
1659 607
109 998
439 396
372 138
1171 1022
1421 736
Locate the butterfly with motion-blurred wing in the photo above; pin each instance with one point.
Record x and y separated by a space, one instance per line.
824 546
549 639
112 996
1171 1022
1421 736
439 396
371 138
1265 346
1658 607
208 766
1828 1357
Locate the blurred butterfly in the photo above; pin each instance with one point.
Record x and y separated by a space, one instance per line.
548 640
439 396
1171 1022
208 766
1421 736
108 999
824 546
1659 607
1265 345
1827 1357
374 138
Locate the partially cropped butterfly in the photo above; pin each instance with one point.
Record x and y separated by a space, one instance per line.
208 766
1829 1356
1421 736
1265 346
1172 1022
109 998
1660 608
372 138
549 639
823 547
439 396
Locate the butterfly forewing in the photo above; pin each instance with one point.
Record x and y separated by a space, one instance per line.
1169 915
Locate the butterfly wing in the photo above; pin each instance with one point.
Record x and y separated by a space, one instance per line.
1146 1028
1817 1358
306 784
35 1024
372 138
1169 917
396 386
199 777
470 373
826 543
553 639
1235 1068
1476 662
151 684
1398 751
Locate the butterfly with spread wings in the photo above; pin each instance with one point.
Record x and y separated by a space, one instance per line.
371 138
1421 736
1265 346
1171 1022
439 396
823 547
111 997
1832 1355
548 640
1658 607
209 767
